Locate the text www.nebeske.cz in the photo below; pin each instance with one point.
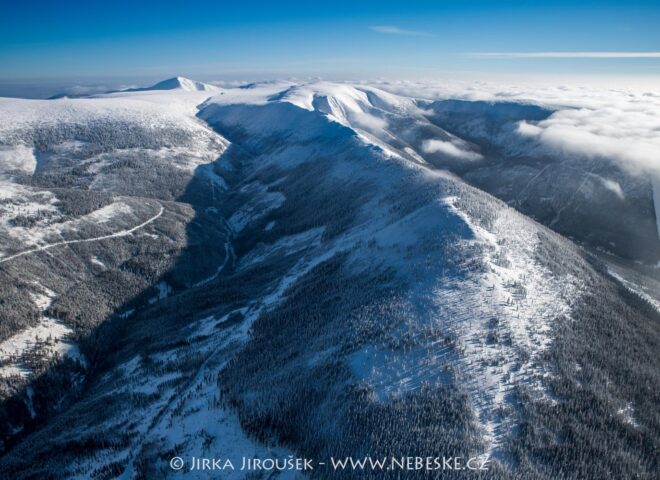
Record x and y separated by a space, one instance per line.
408 463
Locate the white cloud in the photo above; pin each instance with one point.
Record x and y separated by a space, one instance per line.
529 130
613 186
624 133
94 89
616 122
369 122
393 30
566 54
449 149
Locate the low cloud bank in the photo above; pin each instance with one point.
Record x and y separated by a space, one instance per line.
449 149
621 125
630 137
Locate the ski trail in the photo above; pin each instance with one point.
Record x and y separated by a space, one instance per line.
518 201
569 201
122 233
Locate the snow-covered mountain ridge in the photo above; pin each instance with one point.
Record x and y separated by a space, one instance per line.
241 264
514 150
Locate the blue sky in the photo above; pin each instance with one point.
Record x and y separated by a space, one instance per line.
86 40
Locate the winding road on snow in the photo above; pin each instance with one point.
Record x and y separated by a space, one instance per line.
122 233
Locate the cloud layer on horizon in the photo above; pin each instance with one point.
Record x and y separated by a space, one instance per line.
565 54
619 125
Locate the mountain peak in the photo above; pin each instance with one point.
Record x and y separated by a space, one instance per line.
179 83
183 84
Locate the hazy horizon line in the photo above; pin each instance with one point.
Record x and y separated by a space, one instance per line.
559 54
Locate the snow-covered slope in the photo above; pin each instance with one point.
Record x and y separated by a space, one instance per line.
288 250
86 185
98 135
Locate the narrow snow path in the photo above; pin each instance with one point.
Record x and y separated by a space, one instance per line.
122 233
229 253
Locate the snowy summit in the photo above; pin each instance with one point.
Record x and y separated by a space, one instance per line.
179 83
